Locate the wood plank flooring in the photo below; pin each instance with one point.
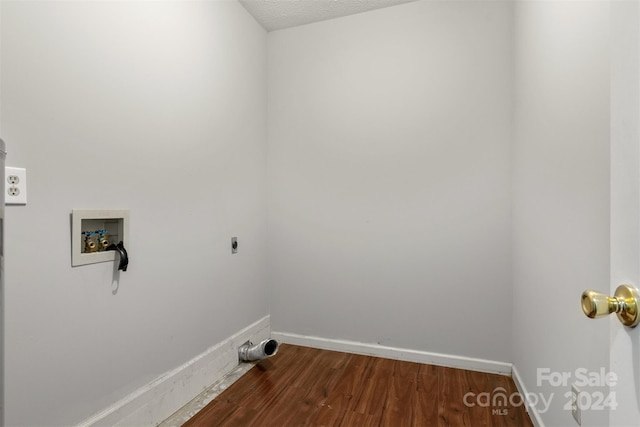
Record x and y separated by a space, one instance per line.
302 386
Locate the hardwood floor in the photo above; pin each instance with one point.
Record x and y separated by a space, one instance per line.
302 386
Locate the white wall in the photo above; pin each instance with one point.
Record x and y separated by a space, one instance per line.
389 187
389 209
158 107
561 193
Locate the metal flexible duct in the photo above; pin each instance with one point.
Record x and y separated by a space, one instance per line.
249 352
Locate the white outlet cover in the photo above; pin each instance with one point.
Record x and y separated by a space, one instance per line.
15 186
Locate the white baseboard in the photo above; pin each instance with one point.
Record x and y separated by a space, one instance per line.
156 401
533 412
461 362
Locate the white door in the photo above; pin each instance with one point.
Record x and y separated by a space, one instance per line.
624 345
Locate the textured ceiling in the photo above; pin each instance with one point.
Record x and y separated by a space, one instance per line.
278 14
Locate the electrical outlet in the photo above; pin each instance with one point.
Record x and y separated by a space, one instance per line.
15 186
575 404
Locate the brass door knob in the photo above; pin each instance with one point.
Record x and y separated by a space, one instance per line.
624 303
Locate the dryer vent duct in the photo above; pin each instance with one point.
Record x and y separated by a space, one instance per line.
249 352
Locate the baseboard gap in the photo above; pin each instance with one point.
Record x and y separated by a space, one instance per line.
185 413
153 403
